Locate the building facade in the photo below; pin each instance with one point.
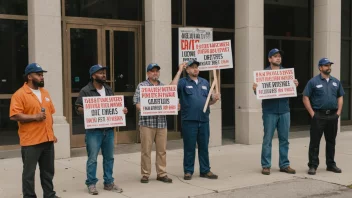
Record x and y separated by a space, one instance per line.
67 37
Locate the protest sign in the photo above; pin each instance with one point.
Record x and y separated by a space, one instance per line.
188 37
103 112
214 55
158 100
275 83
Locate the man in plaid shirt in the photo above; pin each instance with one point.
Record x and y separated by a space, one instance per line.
153 128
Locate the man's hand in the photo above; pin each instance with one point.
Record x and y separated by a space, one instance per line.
296 82
40 116
255 85
55 139
178 107
182 66
125 110
215 97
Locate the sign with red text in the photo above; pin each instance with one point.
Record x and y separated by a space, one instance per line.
158 100
214 55
275 83
188 37
103 112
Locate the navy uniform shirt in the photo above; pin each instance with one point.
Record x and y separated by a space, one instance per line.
192 99
322 94
276 105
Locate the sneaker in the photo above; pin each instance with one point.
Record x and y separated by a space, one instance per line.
187 176
209 175
266 171
288 170
334 169
113 187
164 179
312 171
92 189
144 180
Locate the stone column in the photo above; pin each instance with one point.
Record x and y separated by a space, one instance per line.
158 36
249 51
327 35
44 43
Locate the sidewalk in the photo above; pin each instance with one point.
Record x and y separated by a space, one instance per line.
238 166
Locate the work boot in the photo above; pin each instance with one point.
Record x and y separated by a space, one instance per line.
288 170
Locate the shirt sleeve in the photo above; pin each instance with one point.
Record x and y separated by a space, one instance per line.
16 105
308 89
52 106
136 96
340 91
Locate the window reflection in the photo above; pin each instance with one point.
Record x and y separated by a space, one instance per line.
13 53
83 56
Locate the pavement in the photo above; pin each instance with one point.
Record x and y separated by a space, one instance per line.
237 165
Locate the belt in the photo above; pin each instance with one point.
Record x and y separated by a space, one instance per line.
326 111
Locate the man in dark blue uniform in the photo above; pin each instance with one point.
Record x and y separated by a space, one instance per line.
193 92
323 99
276 115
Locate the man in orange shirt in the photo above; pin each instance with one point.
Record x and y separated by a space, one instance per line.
32 108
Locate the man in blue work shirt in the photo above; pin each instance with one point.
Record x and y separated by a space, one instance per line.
323 99
193 92
276 115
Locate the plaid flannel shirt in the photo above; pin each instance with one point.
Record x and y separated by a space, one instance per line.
149 121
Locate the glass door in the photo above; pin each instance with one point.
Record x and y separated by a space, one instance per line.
121 55
116 48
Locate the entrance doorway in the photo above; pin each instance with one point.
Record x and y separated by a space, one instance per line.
118 48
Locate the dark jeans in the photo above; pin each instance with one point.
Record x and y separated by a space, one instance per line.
327 124
44 155
195 132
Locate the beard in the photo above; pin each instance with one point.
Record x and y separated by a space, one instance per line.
327 72
100 81
38 84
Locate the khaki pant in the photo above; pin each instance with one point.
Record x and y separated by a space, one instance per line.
148 136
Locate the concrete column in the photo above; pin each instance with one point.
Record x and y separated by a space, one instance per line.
44 43
327 34
158 36
249 51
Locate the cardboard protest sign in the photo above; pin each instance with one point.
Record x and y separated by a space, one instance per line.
275 83
158 100
188 37
214 55
103 112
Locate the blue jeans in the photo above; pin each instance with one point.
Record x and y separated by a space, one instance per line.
195 132
96 139
281 122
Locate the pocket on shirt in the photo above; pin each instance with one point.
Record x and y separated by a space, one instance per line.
319 91
189 91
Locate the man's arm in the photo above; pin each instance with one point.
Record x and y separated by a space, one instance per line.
339 105
21 117
79 103
308 106
178 74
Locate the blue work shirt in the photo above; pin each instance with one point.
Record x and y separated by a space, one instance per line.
322 94
276 105
192 99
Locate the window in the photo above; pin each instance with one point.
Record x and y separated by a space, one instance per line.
8 128
210 13
287 18
15 7
13 53
176 12
346 55
107 9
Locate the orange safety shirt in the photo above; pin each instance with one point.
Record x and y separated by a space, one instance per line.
24 101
